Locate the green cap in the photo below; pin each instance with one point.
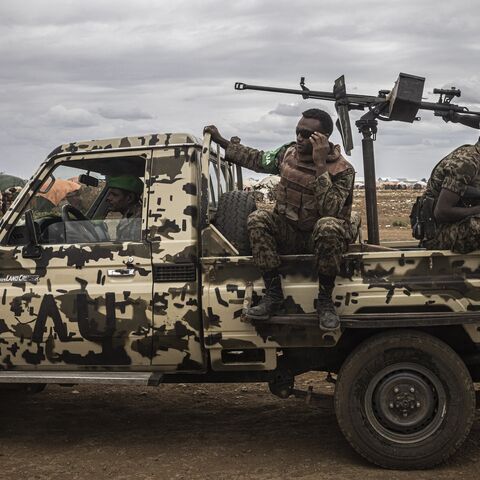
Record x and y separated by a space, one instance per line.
126 182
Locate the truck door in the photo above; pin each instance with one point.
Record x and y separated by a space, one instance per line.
173 233
84 298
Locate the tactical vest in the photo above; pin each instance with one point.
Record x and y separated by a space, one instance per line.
295 195
295 191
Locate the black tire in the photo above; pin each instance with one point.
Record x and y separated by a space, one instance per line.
231 218
404 400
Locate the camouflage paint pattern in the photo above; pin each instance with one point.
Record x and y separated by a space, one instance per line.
173 234
370 282
64 310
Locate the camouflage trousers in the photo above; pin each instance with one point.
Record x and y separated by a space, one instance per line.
272 235
460 237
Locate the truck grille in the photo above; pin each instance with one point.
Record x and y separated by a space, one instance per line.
181 272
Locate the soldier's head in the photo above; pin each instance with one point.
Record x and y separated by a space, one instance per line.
313 120
123 192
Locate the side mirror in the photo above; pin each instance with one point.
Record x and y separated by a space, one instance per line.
32 249
47 184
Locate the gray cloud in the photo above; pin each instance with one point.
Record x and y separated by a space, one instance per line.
120 112
75 70
59 115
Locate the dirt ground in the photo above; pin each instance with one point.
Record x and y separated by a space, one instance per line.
198 431
189 432
393 213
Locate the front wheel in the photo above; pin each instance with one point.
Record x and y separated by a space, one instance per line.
405 400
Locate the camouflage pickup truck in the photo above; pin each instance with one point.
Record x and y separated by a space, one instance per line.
80 306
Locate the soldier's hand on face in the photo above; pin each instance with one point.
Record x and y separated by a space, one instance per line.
321 147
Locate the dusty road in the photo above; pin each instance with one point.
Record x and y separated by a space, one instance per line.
188 432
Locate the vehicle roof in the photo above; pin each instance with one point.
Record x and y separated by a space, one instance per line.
155 139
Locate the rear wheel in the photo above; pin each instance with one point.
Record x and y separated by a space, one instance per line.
405 400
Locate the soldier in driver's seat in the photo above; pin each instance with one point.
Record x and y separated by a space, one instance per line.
124 196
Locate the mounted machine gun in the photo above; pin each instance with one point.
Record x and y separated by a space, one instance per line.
402 103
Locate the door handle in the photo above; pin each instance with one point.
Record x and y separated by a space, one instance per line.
121 272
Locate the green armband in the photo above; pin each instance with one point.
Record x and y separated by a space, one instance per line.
269 159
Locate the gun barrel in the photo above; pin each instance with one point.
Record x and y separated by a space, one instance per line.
360 102
305 93
446 107
357 102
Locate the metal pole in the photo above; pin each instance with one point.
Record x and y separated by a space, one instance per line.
239 177
368 129
203 197
238 168
219 174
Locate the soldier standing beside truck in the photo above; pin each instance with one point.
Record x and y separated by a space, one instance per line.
311 214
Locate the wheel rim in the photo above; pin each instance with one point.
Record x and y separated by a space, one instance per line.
405 403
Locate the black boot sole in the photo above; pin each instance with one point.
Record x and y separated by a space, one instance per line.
264 317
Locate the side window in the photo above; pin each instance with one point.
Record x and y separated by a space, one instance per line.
77 205
213 187
69 186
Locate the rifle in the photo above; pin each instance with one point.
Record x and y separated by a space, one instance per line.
401 103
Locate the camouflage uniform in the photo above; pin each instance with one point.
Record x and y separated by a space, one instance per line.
274 233
455 172
129 228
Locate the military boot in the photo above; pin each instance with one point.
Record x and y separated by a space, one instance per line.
272 301
327 316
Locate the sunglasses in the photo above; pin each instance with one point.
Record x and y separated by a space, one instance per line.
304 133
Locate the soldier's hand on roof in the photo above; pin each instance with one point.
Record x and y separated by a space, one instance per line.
321 147
216 137
213 131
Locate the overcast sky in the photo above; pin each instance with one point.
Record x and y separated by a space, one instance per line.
81 69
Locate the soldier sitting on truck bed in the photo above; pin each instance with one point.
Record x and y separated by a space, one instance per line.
312 210
124 196
453 196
